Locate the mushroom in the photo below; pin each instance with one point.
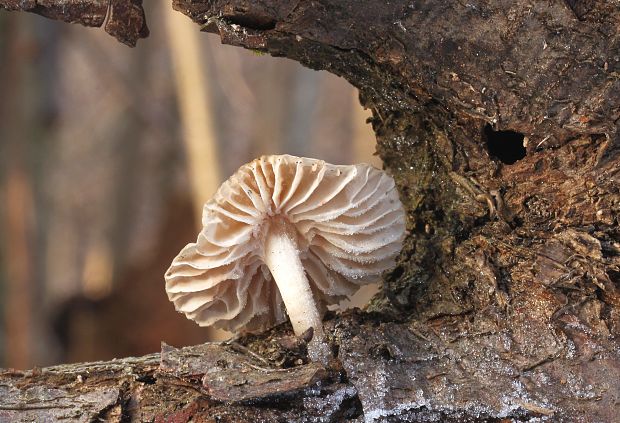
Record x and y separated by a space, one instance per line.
287 231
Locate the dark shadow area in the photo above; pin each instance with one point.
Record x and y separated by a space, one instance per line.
507 146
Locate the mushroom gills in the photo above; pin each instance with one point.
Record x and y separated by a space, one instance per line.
292 233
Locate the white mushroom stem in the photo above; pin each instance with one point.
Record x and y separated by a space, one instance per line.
282 259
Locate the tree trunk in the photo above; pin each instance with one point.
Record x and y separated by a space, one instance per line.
499 122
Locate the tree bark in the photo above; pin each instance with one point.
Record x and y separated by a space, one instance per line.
123 19
499 122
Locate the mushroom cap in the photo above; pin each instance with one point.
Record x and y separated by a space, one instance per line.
349 224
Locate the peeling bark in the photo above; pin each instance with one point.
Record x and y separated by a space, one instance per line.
212 381
123 19
499 122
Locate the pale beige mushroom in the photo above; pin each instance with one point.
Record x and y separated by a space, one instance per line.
290 232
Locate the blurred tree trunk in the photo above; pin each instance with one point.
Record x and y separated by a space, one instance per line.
499 122
18 235
196 110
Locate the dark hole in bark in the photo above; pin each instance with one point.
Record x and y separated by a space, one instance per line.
147 379
507 146
256 22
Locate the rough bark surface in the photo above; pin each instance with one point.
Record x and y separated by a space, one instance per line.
499 121
123 19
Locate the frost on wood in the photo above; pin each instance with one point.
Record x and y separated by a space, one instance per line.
418 374
389 372
39 403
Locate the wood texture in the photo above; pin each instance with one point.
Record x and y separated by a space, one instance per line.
505 304
212 380
123 19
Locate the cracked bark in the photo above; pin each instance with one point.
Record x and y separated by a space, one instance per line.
506 300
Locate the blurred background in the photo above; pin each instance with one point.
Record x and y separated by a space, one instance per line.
106 156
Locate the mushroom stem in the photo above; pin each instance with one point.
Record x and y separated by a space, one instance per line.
282 259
